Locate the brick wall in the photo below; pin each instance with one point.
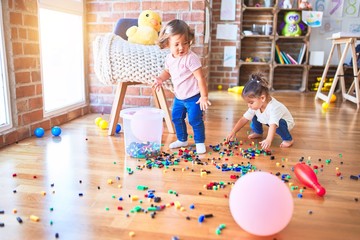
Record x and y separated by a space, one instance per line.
101 18
23 59
220 75
22 44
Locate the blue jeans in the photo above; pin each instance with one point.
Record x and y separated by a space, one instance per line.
195 118
282 130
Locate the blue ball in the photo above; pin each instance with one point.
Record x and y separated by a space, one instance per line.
56 131
118 128
39 132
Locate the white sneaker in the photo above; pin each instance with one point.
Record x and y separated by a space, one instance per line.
200 148
178 144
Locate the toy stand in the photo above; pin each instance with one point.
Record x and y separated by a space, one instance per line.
119 62
339 75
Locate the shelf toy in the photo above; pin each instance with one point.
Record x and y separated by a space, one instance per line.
287 4
292 26
304 4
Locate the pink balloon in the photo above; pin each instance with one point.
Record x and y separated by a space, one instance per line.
147 124
261 203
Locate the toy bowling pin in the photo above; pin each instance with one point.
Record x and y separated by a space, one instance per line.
307 176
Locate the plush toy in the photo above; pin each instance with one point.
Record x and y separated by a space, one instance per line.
304 4
286 4
147 31
292 27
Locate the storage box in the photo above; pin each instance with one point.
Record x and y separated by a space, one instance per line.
143 128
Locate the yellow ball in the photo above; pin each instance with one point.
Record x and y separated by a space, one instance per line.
220 87
325 106
333 98
98 120
103 124
239 89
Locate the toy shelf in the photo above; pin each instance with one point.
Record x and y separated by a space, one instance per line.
247 69
295 51
289 79
258 49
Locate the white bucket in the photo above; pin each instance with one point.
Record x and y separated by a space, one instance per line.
143 128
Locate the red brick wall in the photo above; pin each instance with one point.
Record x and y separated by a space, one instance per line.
24 72
219 75
22 44
102 17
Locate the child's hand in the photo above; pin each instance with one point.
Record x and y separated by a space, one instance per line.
265 144
231 136
157 83
204 103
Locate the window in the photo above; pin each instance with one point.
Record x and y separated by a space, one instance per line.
62 54
5 116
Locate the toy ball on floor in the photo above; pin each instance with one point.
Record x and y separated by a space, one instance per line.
261 203
56 131
98 120
39 132
118 128
103 124
333 98
236 89
325 106
219 87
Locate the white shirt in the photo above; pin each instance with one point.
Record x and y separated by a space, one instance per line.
274 111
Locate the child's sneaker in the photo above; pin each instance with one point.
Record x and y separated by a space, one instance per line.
200 148
178 144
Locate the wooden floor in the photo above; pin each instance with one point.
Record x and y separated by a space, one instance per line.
83 160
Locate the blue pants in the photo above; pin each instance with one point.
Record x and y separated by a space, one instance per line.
282 130
195 117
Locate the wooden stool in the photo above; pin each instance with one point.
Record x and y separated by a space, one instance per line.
160 102
347 95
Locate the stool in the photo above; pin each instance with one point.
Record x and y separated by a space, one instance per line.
347 95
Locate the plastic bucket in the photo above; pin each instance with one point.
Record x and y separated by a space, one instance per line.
143 128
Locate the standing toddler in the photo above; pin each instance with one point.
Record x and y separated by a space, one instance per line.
191 95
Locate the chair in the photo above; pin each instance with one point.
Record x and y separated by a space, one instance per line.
118 61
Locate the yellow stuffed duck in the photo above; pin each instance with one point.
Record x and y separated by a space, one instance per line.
147 31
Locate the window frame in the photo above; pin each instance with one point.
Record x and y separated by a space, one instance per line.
75 7
5 78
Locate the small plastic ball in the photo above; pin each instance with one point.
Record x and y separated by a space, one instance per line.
56 131
219 87
39 132
333 98
325 106
103 124
118 128
98 120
